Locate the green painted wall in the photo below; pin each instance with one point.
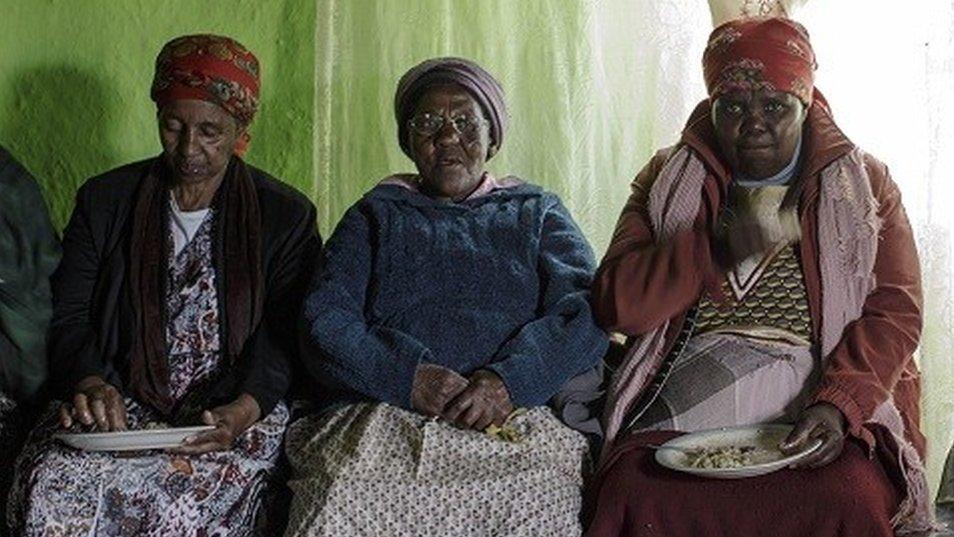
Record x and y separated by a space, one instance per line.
75 76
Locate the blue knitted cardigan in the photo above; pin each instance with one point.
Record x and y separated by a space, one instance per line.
498 282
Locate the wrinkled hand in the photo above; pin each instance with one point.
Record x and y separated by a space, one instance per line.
95 402
230 421
737 237
485 401
824 421
434 386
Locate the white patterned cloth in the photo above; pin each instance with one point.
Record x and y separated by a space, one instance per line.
371 469
63 491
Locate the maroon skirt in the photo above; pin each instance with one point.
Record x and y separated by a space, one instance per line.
633 495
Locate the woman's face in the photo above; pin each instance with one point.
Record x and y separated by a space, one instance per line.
449 141
758 130
198 139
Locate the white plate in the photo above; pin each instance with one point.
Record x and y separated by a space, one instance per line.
131 440
766 437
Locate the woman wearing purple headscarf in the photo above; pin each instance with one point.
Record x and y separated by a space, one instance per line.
447 299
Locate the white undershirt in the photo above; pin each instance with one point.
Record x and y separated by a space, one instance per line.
183 224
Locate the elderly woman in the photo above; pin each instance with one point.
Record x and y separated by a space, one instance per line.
175 302
29 252
447 299
765 271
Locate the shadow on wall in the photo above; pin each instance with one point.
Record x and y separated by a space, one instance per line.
282 136
60 126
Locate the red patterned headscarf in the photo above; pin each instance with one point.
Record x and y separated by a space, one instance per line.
209 68
760 53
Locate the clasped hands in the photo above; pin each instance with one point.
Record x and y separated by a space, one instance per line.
100 404
474 403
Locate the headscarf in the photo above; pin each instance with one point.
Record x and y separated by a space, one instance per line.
761 53
209 68
465 73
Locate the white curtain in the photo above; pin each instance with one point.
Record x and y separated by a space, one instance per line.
887 69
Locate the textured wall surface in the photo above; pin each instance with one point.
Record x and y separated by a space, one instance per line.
75 76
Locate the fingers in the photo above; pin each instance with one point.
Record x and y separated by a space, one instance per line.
469 419
433 387
95 403
832 443
830 449
474 409
103 406
499 417
115 411
798 438
208 418
458 405
217 439
484 401
66 419
98 407
484 421
431 403
822 422
81 409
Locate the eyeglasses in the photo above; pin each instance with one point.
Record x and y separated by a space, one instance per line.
428 124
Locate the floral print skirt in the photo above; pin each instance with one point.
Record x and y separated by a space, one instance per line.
373 469
63 491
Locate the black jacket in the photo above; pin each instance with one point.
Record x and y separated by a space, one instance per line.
91 331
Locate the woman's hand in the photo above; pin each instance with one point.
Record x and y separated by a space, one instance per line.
434 387
737 237
485 401
824 421
744 230
95 402
230 421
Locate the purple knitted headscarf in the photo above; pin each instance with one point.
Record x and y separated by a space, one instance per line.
465 73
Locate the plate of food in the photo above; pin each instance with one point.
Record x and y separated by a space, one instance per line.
731 452
151 438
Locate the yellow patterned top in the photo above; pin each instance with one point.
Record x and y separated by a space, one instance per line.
777 300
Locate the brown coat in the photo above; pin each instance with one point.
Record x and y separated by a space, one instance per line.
641 284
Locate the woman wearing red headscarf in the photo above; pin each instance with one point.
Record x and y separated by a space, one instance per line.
175 303
763 270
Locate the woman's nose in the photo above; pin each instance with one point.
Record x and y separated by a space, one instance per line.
447 134
188 142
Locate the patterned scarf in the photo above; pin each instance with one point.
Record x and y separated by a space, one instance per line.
237 257
848 230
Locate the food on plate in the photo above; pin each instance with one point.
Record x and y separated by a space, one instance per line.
156 425
728 457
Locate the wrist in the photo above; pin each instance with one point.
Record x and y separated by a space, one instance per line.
835 414
249 408
88 382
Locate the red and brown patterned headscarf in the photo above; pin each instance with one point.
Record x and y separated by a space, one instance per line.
209 68
760 53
